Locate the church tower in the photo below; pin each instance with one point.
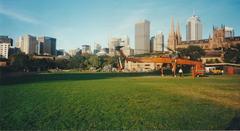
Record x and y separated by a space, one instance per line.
171 37
178 34
174 38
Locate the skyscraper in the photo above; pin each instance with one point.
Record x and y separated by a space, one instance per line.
28 44
158 43
46 45
194 28
142 37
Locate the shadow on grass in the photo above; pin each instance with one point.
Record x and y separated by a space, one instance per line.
234 124
48 77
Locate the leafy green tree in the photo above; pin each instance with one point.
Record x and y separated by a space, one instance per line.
77 61
93 61
19 62
104 60
62 63
232 55
193 52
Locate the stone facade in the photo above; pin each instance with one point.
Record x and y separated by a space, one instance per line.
218 40
174 37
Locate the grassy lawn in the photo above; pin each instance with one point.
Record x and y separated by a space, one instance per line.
119 101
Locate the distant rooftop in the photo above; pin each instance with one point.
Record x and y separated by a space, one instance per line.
143 21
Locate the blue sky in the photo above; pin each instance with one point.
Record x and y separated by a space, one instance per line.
77 22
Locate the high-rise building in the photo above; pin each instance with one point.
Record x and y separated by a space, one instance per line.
28 44
151 43
86 49
229 32
158 43
4 50
5 44
142 37
6 39
46 46
194 28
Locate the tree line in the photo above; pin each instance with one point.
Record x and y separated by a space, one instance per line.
26 63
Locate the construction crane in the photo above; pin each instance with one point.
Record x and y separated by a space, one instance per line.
197 66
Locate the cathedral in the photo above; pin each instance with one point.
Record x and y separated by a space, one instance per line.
219 39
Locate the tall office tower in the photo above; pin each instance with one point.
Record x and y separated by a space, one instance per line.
194 28
142 37
112 43
158 43
229 32
46 46
28 44
86 49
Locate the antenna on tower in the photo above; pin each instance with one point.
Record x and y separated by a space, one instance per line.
194 12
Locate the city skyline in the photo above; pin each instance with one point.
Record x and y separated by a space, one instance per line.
76 23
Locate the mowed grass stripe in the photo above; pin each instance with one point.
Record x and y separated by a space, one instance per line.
219 92
117 103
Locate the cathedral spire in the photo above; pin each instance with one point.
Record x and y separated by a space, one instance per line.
178 29
172 36
172 26
178 34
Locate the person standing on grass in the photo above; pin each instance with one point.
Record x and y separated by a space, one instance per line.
180 72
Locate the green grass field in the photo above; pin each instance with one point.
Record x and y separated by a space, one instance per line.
119 101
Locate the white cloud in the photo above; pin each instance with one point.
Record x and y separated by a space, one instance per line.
17 16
